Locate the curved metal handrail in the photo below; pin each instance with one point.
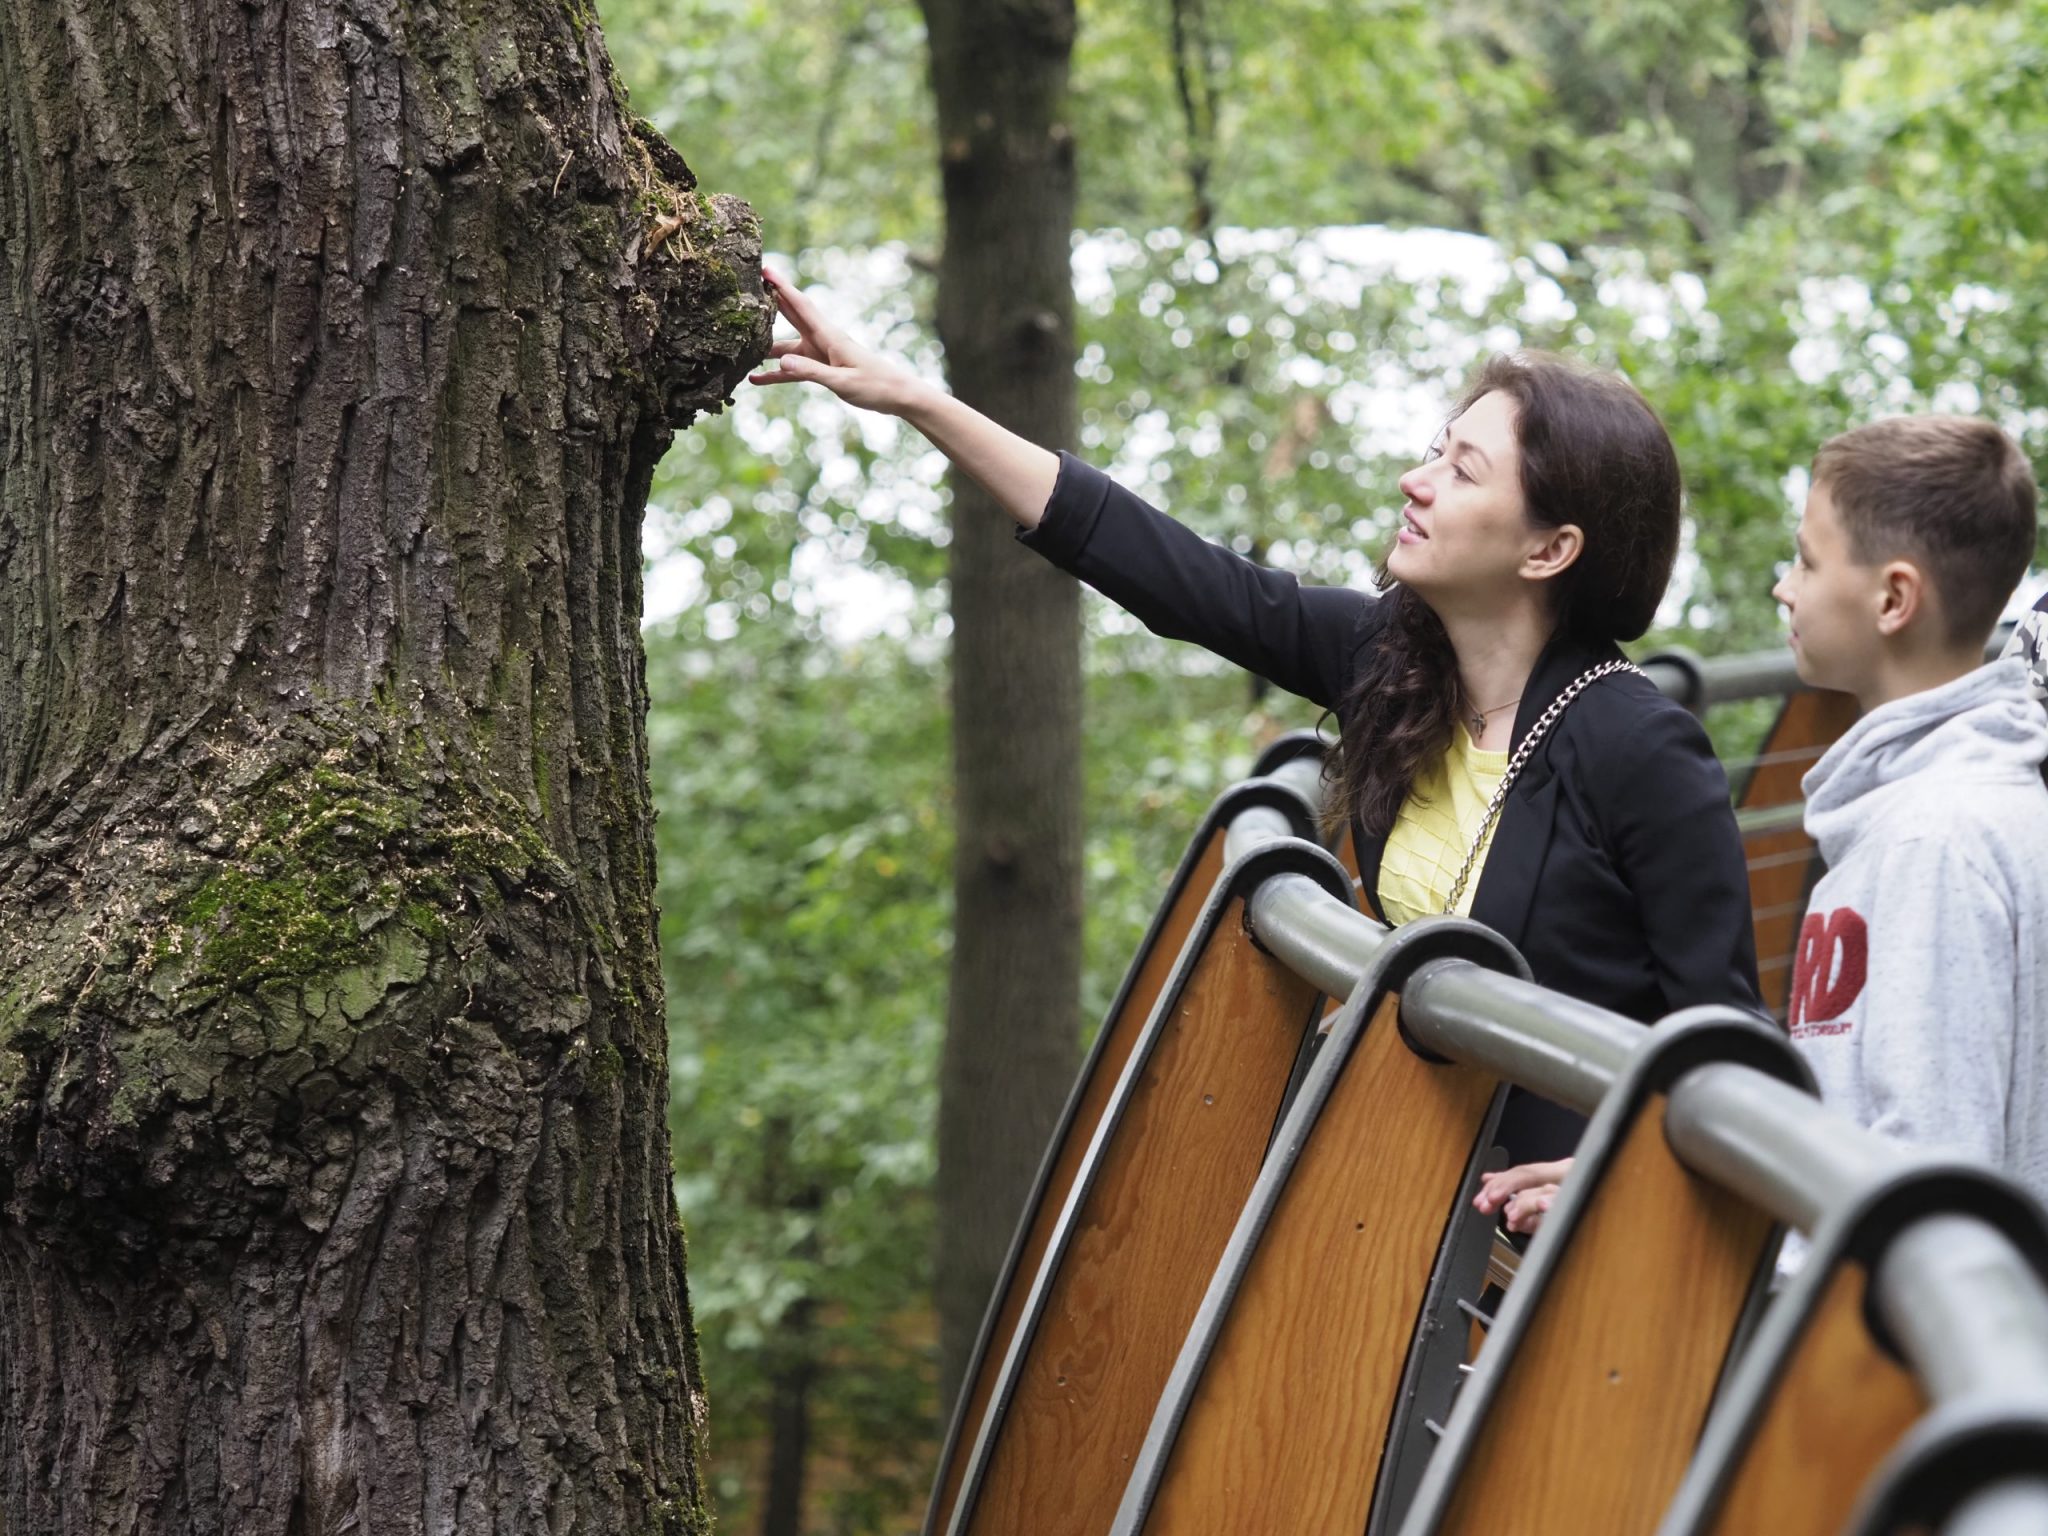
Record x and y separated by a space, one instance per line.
2011 1508
1965 1306
1258 824
1697 681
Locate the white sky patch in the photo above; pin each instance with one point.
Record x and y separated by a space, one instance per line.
1673 611
867 292
853 602
674 584
1392 412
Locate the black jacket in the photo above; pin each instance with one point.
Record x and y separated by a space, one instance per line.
1616 867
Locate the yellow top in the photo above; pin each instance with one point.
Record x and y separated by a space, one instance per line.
1434 830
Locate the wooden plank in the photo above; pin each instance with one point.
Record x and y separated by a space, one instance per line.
1120 1035
1595 1418
1168 1181
1286 1427
1838 1410
1783 864
1346 851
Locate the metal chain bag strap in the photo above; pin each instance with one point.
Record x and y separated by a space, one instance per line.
1529 744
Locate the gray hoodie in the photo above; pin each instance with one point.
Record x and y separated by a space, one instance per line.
1920 994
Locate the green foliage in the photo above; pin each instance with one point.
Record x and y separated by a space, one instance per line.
813 110
1777 221
1944 119
1266 100
804 861
805 866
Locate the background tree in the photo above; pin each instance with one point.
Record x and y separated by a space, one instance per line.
338 344
1005 312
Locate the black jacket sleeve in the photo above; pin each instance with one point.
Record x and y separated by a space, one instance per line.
1179 585
1675 842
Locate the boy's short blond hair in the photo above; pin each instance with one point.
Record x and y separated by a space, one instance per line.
1953 494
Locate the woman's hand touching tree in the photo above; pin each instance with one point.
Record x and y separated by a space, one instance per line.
1018 473
821 353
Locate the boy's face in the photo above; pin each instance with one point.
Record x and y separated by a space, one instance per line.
1832 600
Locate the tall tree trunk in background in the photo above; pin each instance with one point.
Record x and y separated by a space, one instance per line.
795 1347
338 342
1006 318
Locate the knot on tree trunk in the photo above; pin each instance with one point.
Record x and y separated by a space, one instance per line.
702 315
230 959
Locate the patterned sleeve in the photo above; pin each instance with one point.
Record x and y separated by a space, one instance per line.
2030 643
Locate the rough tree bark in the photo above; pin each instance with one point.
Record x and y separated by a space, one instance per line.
1006 319
338 342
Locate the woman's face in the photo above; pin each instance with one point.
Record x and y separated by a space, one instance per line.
1465 532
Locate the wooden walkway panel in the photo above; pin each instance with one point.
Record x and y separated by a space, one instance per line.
1783 862
1838 1411
1591 1391
1186 897
1597 1414
1281 1403
1174 1151
1294 1407
1819 1414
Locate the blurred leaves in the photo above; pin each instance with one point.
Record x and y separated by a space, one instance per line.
1779 217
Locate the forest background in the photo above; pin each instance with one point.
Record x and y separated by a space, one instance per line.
1298 224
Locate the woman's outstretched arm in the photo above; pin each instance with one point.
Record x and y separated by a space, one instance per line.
1020 475
1176 583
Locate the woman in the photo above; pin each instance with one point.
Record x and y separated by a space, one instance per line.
1539 531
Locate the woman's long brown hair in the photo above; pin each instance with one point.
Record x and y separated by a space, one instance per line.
1592 453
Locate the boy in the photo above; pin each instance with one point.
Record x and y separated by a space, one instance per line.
1920 988
1920 994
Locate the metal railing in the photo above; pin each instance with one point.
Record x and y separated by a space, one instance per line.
1697 681
1964 1305
1953 1258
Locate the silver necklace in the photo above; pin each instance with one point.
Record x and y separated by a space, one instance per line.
1536 734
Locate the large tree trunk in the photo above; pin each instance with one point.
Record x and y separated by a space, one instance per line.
338 342
1006 318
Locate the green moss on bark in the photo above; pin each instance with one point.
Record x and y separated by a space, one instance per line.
325 856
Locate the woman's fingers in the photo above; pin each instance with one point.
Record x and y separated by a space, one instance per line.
799 310
1497 1188
797 368
816 336
786 296
1527 1209
821 354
